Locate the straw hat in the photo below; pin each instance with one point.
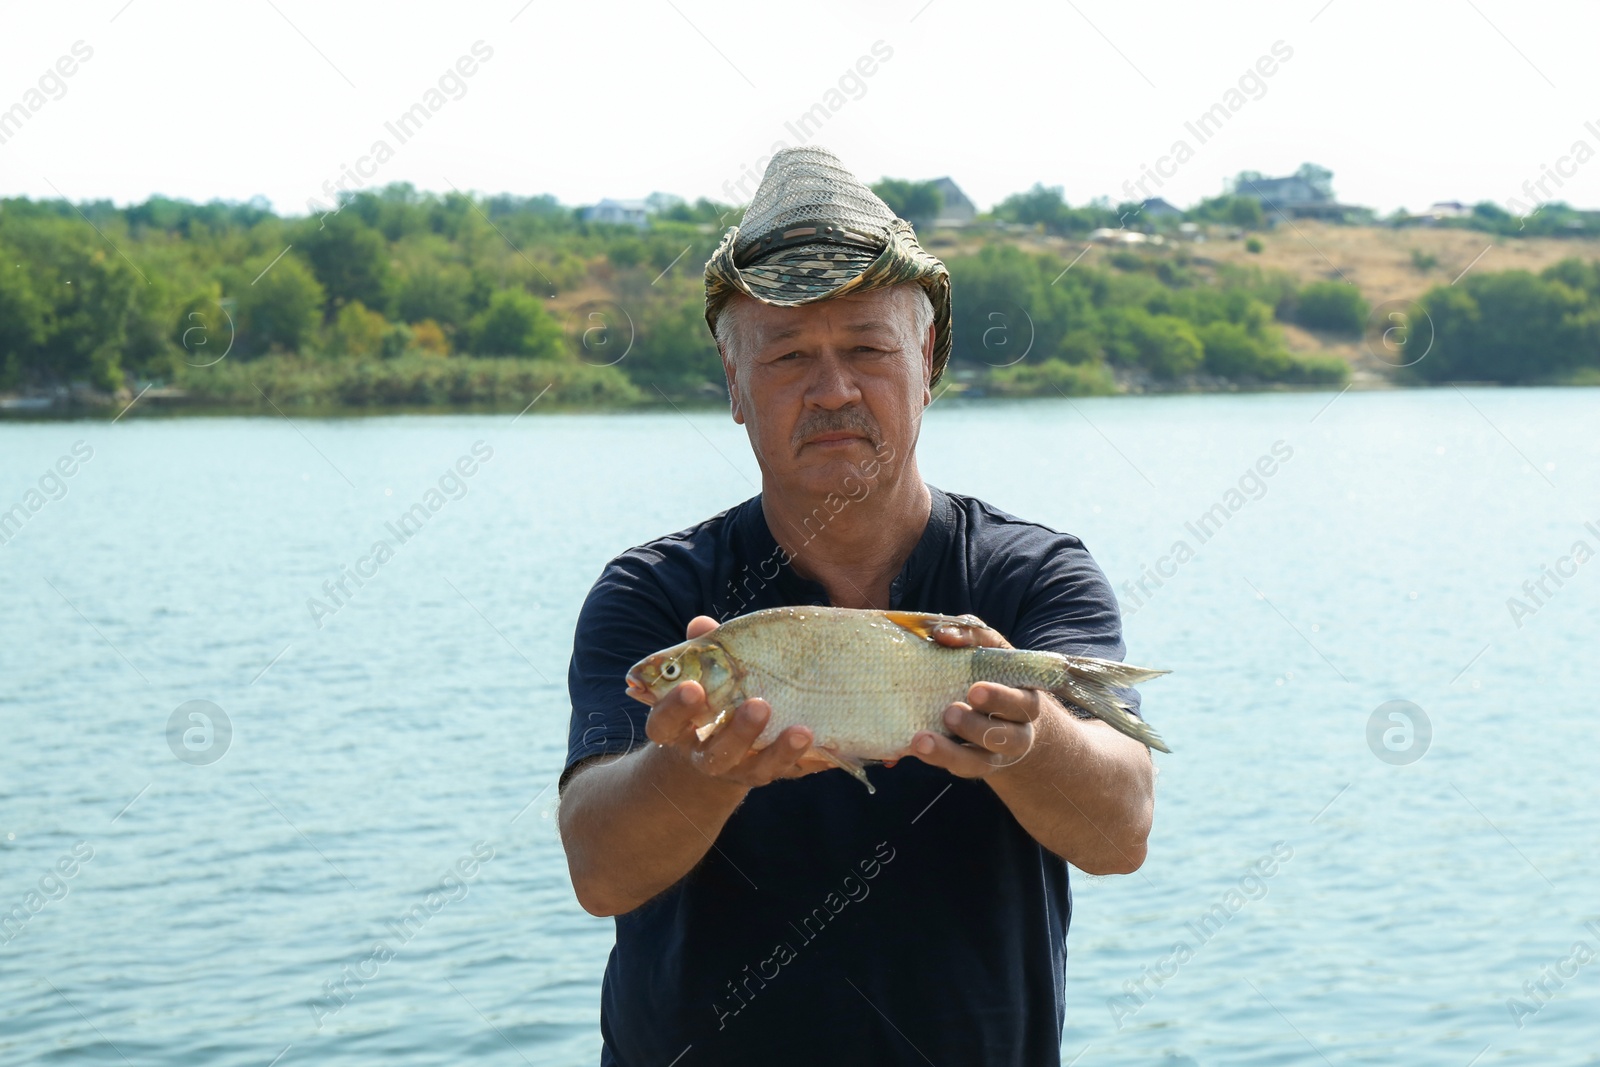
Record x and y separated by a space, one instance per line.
812 232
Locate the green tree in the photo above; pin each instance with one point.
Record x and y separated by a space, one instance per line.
1040 206
677 354
96 300
280 309
1510 327
1320 179
1240 210
515 324
23 322
1010 308
1575 274
441 291
351 260
1044 206
918 203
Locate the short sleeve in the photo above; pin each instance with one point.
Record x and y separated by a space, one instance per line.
625 618
1070 608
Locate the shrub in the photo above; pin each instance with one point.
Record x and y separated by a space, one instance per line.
1317 370
1509 327
1080 346
1165 345
419 380
429 338
1053 376
1231 351
357 332
1332 306
1246 211
515 324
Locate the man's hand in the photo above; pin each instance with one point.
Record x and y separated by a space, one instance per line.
726 755
633 825
996 720
1086 792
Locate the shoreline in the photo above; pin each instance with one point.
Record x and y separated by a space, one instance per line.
107 409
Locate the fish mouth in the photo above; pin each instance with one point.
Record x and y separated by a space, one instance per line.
638 690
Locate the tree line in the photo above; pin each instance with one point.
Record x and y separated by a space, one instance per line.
407 297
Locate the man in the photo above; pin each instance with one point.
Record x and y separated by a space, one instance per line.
768 909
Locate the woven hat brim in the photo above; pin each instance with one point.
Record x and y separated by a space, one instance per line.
809 272
814 272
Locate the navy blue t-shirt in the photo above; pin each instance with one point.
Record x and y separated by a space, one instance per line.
830 925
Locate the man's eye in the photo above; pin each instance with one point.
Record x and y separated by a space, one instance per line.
788 356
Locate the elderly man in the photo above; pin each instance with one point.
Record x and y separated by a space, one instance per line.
768 909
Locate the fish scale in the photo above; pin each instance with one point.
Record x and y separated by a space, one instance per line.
865 681
868 704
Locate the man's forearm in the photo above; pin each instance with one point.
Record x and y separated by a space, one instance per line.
1084 791
633 826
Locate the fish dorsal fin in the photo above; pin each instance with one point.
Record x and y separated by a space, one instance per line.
924 625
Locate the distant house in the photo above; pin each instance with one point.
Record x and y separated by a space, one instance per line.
618 213
1157 208
1448 209
955 209
1284 193
1306 192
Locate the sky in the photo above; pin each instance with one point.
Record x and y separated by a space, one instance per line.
1407 103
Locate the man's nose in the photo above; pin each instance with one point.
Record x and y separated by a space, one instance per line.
834 386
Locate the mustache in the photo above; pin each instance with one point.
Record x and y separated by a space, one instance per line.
844 420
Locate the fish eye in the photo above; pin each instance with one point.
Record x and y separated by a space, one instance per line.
670 670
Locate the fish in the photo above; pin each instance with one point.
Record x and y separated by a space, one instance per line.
866 681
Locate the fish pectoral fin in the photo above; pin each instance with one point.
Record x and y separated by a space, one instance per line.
844 763
703 732
924 626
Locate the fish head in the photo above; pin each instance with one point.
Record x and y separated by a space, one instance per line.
701 660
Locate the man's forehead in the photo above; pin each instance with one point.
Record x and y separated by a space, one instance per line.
877 311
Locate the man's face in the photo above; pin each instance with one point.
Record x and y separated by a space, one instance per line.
829 388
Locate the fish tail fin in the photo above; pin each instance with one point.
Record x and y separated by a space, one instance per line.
1109 671
1081 681
1105 705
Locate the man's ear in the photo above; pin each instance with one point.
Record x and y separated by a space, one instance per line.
732 374
927 364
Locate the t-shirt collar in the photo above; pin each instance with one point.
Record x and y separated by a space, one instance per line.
798 590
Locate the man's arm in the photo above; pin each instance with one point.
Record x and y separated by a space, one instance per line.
1080 788
634 825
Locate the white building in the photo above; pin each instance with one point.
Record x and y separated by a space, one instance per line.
618 213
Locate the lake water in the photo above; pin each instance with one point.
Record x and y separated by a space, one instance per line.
1417 910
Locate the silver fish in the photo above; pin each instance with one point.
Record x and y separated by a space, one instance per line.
866 681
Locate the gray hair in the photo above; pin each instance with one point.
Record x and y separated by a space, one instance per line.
921 310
